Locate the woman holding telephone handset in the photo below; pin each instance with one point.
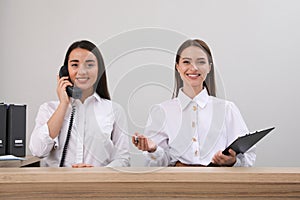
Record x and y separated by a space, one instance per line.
194 126
84 128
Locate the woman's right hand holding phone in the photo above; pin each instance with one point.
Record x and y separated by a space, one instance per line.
56 120
62 84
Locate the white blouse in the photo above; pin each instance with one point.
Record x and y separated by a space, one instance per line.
99 134
192 131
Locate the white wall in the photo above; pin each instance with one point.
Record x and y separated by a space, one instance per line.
254 42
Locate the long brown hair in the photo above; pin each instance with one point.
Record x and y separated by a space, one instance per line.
209 82
101 83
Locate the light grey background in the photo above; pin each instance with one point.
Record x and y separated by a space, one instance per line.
255 44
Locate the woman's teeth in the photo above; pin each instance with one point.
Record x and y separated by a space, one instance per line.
193 75
82 79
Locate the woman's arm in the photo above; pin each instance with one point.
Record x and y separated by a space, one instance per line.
120 157
40 141
236 127
154 142
56 120
49 121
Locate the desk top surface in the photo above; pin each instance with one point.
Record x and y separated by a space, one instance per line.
19 163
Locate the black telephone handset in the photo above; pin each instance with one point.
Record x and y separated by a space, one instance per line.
74 92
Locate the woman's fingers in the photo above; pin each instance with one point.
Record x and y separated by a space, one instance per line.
135 139
221 159
62 84
82 165
143 143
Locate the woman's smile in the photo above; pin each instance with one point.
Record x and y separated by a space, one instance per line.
193 76
82 80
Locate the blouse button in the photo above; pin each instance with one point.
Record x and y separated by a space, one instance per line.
194 108
193 124
153 157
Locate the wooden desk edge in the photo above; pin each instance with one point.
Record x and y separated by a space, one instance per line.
146 174
150 183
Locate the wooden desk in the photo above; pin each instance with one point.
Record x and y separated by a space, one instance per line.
150 183
29 161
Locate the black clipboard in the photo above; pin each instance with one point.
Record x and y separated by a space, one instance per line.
244 143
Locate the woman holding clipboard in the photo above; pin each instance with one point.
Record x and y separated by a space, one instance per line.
194 126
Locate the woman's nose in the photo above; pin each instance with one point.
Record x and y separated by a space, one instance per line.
194 66
81 69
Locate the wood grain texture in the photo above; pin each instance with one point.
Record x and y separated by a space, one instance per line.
146 183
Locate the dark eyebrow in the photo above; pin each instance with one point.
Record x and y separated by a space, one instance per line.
85 61
191 59
90 61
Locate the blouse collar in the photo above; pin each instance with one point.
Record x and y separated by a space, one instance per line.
201 99
94 96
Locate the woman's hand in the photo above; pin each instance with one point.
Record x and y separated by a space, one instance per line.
224 160
56 120
143 143
82 165
62 84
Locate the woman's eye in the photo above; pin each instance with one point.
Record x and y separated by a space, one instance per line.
91 65
186 62
202 62
74 65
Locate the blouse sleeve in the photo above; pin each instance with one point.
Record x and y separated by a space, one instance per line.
41 143
120 139
155 130
236 127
